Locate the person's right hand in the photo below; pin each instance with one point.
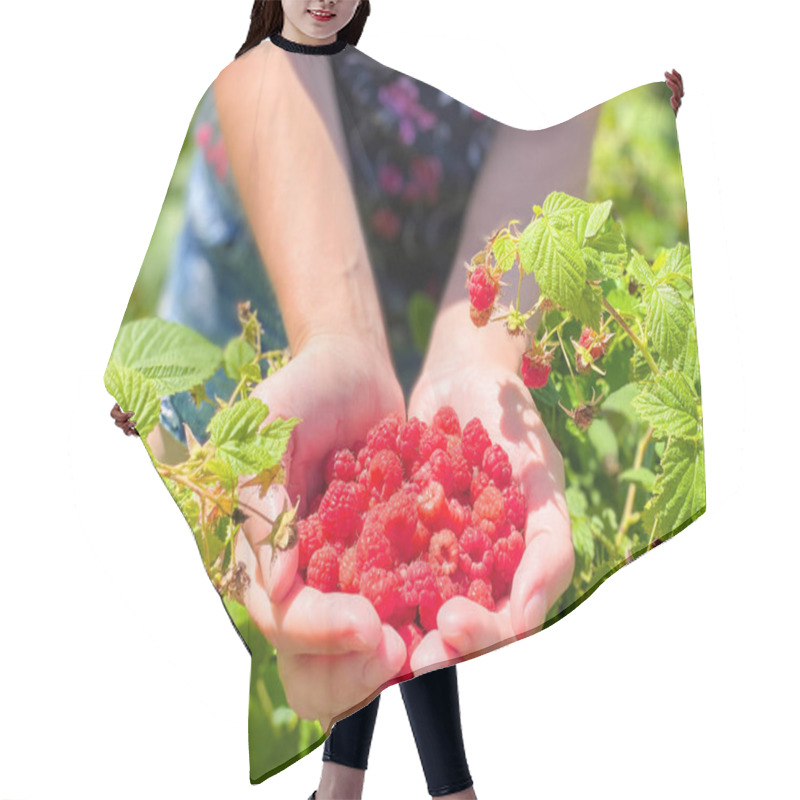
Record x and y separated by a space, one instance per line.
333 652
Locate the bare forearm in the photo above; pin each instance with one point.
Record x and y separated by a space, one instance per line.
283 133
520 170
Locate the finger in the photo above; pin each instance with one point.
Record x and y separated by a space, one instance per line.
313 622
254 594
431 653
325 686
279 572
468 627
543 574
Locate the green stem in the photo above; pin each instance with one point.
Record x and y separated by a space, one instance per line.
634 338
627 512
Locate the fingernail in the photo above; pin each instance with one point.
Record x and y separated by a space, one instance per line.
535 612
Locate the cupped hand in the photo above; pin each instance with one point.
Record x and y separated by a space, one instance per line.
333 651
502 402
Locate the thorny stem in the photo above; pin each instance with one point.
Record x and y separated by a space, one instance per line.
627 516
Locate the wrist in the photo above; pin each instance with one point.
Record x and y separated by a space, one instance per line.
456 340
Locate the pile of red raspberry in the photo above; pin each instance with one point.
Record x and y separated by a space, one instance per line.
414 516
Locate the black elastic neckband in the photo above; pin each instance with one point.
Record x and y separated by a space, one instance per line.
308 49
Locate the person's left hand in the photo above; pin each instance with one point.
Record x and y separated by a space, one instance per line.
504 405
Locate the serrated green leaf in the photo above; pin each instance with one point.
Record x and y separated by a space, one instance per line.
174 357
561 204
588 305
681 486
597 217
668 320
600 265
238 354
553 255
421 314
504 250
245 449
687 361
679 260
134 392
669 404
640 270
622 301
641 476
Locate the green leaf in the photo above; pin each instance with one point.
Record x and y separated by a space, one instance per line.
421 314
134 393
679 260
576 501
588 305
504 250
680 488
563 205
235 433
603 439
597 218
611 241
640 270
583 537
687 361
641 475
174 357
669 404
547 395
620 401
238 354
669 318
621 300
553 255
601 265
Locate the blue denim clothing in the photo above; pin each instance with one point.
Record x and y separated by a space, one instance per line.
415 153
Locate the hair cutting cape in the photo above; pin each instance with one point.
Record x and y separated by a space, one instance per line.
503 495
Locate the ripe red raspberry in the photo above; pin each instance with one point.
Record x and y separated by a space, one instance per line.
460 581
516 507
400 524
382 588
373 548
408 439
535 370
385 474
476 558
457 516
349 574
480 480
482 288
431 503
485 526
383 435
462 471
474 442
443 552
338 510
420 540
441 470
497 466
508 552
491 505
420 584
311 537
412 635
481 592
340 465
429 608
431 440
323 569
446 421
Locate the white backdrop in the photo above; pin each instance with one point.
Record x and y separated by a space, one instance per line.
121 676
